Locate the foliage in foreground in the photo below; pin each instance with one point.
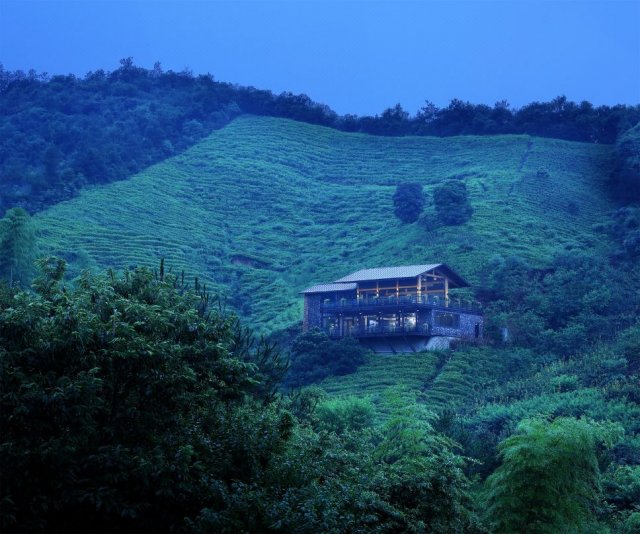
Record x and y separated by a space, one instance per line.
549 480
315 356
17 246
126 405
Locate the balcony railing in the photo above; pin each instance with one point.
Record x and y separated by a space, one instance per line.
420 301
381 330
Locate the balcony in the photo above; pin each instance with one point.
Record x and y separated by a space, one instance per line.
423 329
409 301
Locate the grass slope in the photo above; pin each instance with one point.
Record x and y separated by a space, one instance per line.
404 375
265 207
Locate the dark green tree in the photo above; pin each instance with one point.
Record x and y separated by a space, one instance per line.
17 246
452 203
315 356
122 403
408 202
128 405
627 172
549 480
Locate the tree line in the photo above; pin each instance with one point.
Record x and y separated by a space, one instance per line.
60 133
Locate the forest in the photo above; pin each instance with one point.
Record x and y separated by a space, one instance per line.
136 397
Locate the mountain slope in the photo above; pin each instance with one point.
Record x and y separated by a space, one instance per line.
264 207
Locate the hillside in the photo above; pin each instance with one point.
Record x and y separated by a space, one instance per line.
61 134
264 207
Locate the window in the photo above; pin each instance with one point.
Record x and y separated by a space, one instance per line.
448 320
410 320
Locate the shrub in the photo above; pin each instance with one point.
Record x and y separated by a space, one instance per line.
346 414
629 346
408 201
452 203
314 356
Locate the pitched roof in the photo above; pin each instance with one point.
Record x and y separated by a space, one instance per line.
404 271
383 273
322 288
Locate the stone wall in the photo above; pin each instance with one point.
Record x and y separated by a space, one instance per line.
467 329
312 317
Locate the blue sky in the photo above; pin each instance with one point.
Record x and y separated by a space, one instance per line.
356 56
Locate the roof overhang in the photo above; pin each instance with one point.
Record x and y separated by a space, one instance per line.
328 288
405 271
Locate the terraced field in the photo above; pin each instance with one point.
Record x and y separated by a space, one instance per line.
265 207
401 374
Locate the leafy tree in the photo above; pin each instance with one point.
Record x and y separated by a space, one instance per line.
394 121
577 299
628 345
627 173
125 404
128 405
17 246
625 229
452 202
423 475
549 479
314 356
409 201
345 414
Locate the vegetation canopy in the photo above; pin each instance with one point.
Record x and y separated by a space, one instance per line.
131 401
452 203
131 404
408 201
549 480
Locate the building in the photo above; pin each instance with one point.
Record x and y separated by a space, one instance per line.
387 302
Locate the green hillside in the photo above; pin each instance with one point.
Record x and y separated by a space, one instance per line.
265 207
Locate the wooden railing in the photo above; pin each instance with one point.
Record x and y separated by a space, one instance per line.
380 330
421 301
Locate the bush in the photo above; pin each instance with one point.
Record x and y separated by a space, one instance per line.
625 229
314 356
347 414
452 203
408 201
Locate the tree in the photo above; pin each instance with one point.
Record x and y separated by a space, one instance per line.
627 172
129 405
452 202
394 121
125 404
409 201
17 246
314 356
549 480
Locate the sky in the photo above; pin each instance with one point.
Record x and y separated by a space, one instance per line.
356 56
